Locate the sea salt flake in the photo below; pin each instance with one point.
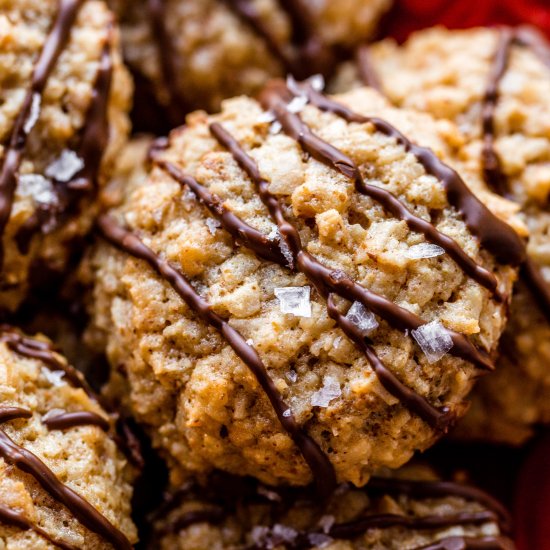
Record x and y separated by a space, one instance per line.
259 533
330 391
266 116
52 413
270 495
188 195
297 104
212 225
287 534
320 540
317 82
293 85
434 340
361 317
250 342
275 128
286 253
38 188
54 377
65 167
274 234
287 413
326 522
292 376
424 250
294 300
34 113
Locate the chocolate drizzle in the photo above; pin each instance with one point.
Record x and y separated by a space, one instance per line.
64 421
492 168
29 463
280 501
126 241
54 45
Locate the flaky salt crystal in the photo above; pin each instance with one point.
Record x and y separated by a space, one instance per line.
330 391
259 533
274 234
286 253
275 127
188 195
38 188
34 113
294 300
287 413
291 376
319 540
317 82
54 377
65 166
424 250
53 413
326 522
361 317
294 87
287 534
297 104
266 116
434 340
212 225
270 495
250 342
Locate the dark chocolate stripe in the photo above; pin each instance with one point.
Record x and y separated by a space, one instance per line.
43 351
53 46
328 281
492 168
64 421
26 461
340 283
438 489
126 241
212 516
494 234
252 238
470 543
366 71
17 518
326 153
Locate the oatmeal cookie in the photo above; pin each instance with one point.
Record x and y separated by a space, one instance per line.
199 52
311 294
63 481
410 510
495 85
63 118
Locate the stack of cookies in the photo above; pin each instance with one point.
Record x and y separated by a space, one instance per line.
296 292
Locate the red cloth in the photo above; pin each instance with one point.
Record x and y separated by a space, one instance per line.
410 15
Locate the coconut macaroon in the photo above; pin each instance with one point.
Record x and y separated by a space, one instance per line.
410 510
334 331
63 481
495 85
197 53
63 118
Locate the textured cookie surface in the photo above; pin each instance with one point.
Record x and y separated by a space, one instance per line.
202 404
197 53
234 514
80 457
65 96
447 73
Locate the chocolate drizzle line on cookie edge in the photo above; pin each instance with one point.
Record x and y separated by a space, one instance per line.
128 242
217 510
55 43
29 463
494 234
492 166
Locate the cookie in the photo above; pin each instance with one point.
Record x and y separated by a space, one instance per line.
64 483
63 118
310 297
494 84
411 510
197 53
